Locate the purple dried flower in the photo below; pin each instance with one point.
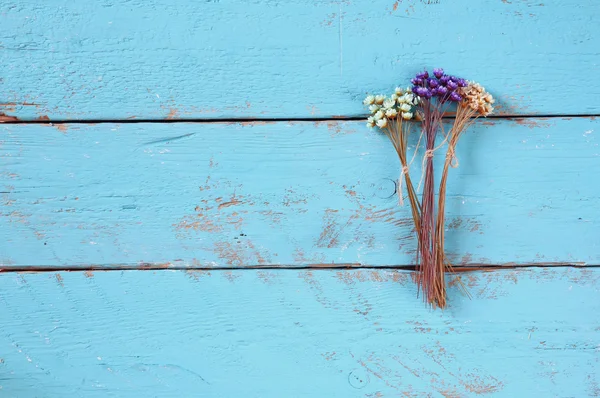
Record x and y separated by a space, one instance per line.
428 94
462 83
417 81
452 85
420 91
441 91
438 72
444 80
432 83
423 75
455 97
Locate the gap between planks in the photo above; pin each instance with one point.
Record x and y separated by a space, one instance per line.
348 266
11 120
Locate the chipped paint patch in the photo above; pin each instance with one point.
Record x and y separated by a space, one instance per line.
173 114
62 127
231 276
532 123
233 202
352 277
197 274
7 118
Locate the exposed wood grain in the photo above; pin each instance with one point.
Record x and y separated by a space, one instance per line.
230 195
249 333
159 59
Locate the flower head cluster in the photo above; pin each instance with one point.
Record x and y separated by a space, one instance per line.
477 98
400 104
440 85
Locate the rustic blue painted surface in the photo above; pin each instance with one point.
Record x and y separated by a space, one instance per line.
288 194
288 333
210 59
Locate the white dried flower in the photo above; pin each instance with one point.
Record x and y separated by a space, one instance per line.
407 115
378 115
409 89
379 99
389 103
391 113
399 91
370 122
405 108
374 108
394 97
369 100
382 123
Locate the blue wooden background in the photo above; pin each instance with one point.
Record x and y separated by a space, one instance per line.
191 204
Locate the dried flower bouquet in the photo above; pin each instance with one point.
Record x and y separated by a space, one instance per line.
427 101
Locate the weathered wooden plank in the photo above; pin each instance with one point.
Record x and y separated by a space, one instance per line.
292 333
156 59
215 194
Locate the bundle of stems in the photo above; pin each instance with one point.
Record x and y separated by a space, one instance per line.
462 122
430 277
398 131
475 102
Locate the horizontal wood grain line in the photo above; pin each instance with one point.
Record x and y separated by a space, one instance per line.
273 119
300 333
289 193
167 60
174 267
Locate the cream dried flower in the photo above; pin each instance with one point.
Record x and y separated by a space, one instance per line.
370 122
476 98
399 91
389 103
374 108
405 108
391 113
382 123
407 115
369 100
412 99
378 115
379 99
